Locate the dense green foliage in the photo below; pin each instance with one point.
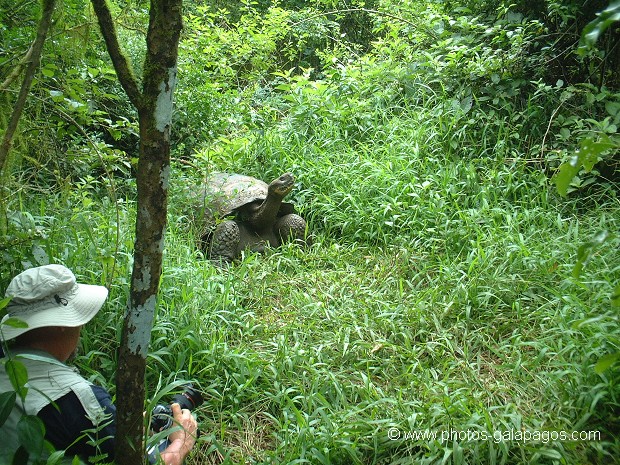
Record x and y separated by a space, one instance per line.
450 286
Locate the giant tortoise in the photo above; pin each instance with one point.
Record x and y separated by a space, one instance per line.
240 212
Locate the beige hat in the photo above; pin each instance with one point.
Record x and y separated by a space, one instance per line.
50 296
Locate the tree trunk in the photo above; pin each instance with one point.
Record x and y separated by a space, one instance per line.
154 104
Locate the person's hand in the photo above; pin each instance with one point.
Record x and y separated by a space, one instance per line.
183 439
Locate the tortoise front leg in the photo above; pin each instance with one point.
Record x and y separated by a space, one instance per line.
292 228
225 242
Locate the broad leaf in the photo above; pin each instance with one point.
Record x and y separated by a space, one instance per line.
30 434
586 157
7 401
587 250
15 323
565 175
615 297
605 362
595 28
56 457
21 457
3 303
18 375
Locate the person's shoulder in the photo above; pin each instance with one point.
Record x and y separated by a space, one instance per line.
104 399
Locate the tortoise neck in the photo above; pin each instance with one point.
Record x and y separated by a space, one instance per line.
266 212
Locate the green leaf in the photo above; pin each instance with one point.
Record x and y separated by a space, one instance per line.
615 297
586 157
115 133
56 457
549 453
7 402
30 434
590 151
605 362
587 250
18 375
4 302
15 323
40 255
587 321
613 108
595 28
20 457
565 175
466 104
57 95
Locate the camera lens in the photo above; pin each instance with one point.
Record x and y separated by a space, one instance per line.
161 416
188 399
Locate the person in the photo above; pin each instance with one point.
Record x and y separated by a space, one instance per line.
79 417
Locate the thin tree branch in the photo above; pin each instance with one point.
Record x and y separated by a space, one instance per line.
369 11
119 60
544 140
35 59
20 6
17 70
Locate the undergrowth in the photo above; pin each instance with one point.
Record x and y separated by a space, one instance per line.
436 298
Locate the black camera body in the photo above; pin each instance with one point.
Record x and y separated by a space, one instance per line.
161 416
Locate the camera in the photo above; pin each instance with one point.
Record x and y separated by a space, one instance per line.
161 416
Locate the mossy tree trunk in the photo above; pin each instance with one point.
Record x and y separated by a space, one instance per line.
154 104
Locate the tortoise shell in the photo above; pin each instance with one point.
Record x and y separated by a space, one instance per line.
225 193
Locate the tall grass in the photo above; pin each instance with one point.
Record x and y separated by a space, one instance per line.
437 296
312 356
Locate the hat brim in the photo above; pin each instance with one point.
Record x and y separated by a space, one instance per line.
80 309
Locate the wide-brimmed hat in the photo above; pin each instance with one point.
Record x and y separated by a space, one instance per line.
50 296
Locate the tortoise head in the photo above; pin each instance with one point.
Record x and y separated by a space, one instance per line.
283 185
262 214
